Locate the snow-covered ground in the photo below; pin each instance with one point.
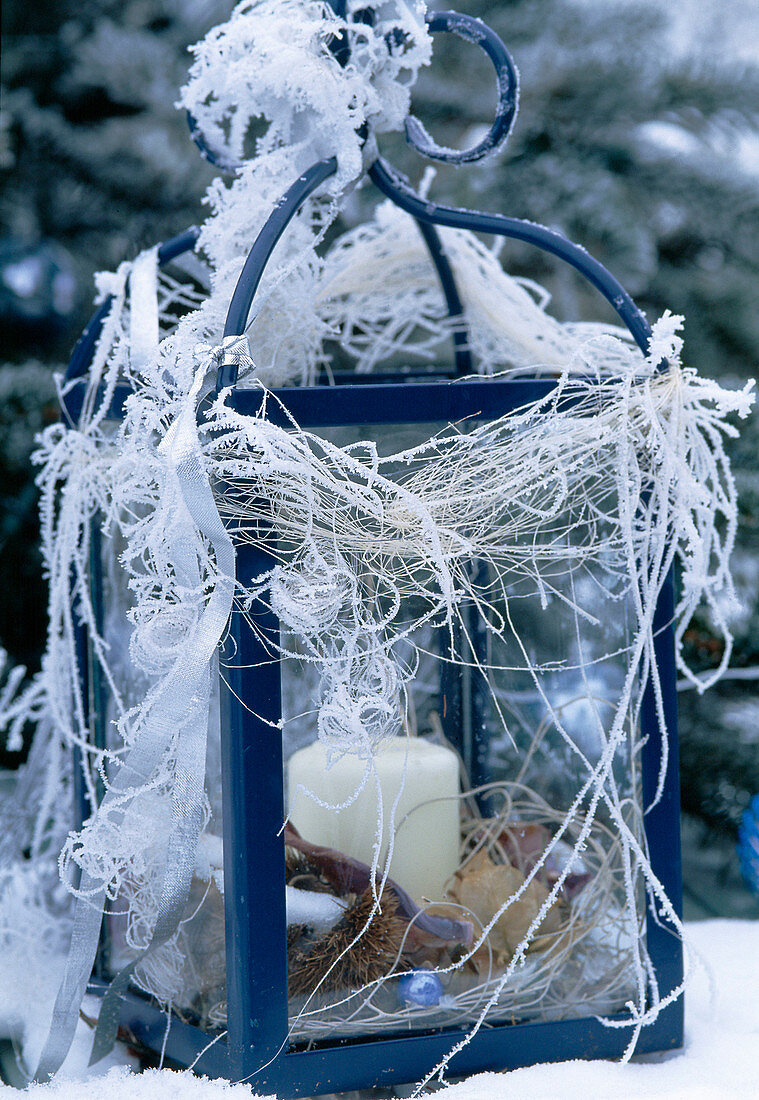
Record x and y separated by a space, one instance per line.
720 1058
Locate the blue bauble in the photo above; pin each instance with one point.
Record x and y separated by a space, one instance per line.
748 845
420 987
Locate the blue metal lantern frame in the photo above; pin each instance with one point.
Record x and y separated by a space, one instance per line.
256 1047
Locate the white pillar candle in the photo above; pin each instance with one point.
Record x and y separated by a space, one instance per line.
426 846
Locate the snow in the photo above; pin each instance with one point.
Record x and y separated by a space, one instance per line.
720 1058
120 1084
721 1052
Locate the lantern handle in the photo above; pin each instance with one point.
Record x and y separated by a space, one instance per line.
258 257
429 215
471 30
430 236
396 187
263 246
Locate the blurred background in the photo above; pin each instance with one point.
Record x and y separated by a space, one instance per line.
638 136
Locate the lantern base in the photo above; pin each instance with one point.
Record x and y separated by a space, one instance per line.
394 1059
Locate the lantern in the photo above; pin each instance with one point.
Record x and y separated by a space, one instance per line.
414 853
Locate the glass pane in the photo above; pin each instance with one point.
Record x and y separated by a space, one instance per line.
188 971
502 738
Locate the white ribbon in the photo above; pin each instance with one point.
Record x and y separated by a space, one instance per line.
181 704
143 311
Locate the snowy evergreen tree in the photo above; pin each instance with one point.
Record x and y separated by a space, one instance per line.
96 158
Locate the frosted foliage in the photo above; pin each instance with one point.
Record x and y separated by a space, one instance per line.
268 75
650 437
574 501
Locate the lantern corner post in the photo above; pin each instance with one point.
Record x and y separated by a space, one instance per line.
253 813
661 805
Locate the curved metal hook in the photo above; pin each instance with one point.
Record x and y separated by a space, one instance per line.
474 31
449 22
213 156
479 34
